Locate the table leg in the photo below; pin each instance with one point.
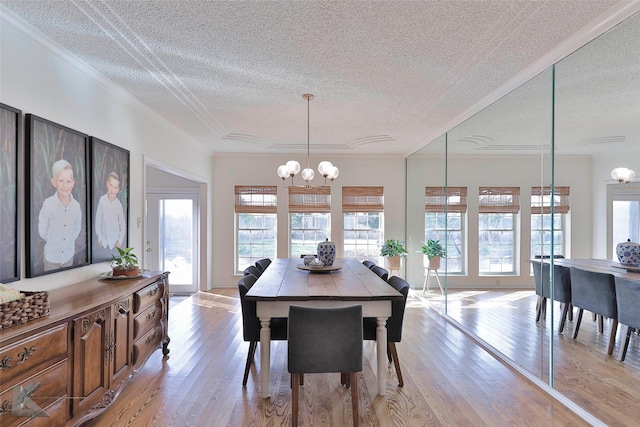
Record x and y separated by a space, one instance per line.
265 356
381 343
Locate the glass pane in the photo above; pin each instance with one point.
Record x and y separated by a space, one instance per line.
176 237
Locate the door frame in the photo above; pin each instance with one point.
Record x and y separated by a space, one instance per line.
203 188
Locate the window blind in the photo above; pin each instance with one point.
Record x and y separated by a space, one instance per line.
301 200
362 199
454 199
541 200
499 200
256 199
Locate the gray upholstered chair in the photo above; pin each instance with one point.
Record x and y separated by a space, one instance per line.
263 264
252 269
394 324
381 272
251 323
628 304
595 292
323 340
369 264
561 290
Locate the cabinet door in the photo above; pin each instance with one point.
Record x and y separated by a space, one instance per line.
122 341
93 344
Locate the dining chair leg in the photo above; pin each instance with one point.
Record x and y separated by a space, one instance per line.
625 346
252 351
353 379
563 317
612 337
392 348
570 312
600 323
578 320
294 399
538 308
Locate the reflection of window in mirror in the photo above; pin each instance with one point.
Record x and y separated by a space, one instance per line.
625 220
542 221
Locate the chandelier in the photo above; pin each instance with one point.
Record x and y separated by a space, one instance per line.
623 175
292 167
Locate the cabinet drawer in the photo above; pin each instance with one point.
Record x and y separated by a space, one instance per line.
53 389
147 296
19 358
146 344
147 319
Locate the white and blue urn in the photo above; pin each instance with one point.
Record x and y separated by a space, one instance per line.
628 253
327 252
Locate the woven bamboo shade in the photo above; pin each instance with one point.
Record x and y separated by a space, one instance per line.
453 199
256 199
541 200
499 200
317 199
362 199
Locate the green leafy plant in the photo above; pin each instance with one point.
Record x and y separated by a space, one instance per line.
433 248
125 260
392 248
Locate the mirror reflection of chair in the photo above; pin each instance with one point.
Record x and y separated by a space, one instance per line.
263 264
596 293
369 264
628 304
394 324
251 323
325 340
381 272
561 290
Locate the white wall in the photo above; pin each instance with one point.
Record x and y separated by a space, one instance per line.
36 77
231 170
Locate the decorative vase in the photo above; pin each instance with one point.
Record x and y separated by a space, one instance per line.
628 253
327 252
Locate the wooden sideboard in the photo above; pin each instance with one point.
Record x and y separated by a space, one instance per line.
97 335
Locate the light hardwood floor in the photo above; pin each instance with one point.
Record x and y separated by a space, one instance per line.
449 380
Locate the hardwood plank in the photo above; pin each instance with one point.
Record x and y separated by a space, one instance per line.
449 380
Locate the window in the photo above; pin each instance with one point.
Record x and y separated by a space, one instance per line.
445 213
256 224
309 219
625 214
542 220
497 225
362 209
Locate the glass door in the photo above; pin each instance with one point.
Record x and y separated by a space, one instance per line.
172 243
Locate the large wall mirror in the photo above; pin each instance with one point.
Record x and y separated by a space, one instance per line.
567 128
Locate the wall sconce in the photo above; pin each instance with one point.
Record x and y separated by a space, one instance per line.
623 175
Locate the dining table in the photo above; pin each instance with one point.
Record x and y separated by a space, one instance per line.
288 281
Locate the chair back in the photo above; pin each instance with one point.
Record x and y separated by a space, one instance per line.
541 278
595 292
325 339
381 272
263 264
628 301
394 323
369 264
562 284
250 321
252 269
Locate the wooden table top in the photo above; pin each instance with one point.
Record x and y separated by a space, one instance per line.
284 281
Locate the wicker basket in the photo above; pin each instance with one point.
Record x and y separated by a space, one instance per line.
33 306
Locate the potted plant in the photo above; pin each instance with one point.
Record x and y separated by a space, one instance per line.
432 251
393 250
125 263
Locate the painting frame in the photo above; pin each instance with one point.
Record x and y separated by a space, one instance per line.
61 203
110 166
10 190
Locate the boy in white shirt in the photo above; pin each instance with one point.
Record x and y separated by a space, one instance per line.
110 225
60 219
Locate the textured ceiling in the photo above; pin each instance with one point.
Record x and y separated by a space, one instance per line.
387 76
